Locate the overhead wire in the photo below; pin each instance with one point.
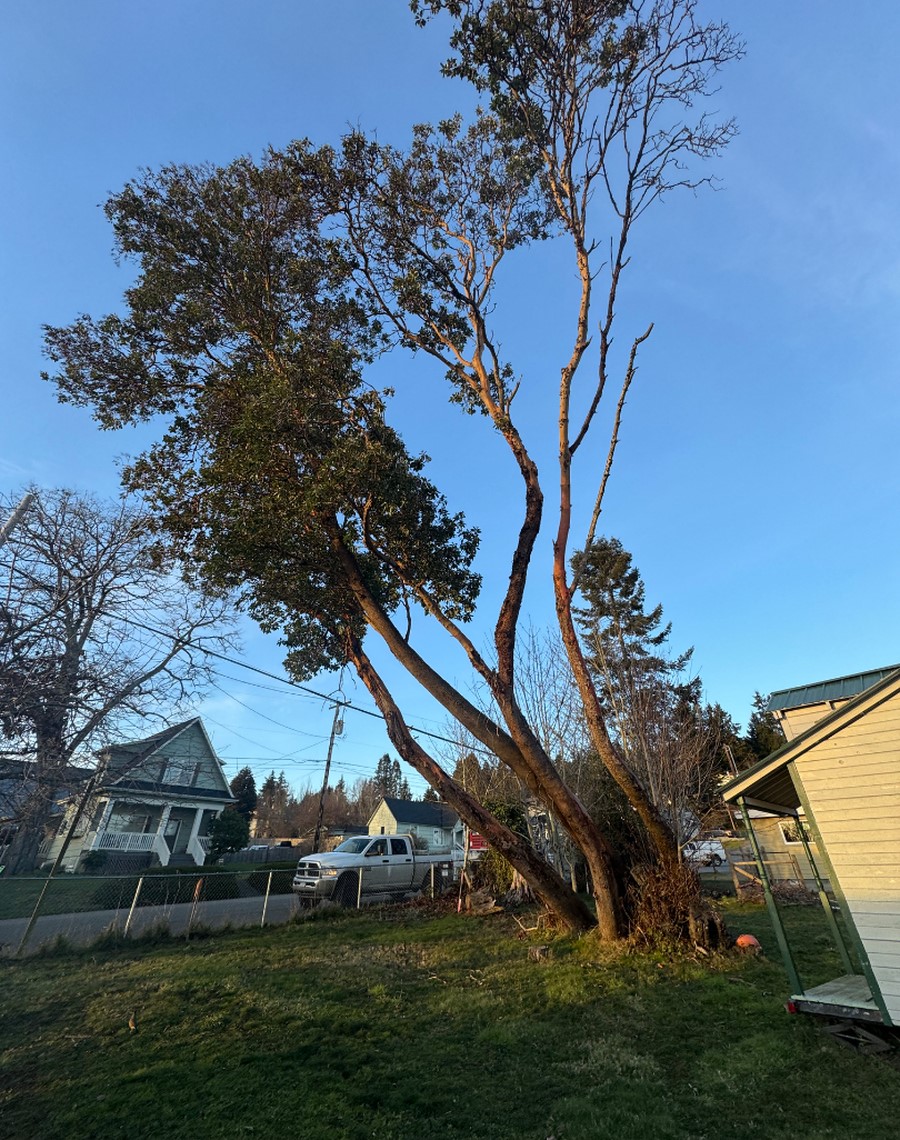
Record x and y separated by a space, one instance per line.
297 685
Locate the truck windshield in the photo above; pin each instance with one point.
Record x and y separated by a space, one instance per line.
356 845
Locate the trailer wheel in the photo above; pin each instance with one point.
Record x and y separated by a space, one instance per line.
345 891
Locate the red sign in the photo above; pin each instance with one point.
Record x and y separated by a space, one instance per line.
477 842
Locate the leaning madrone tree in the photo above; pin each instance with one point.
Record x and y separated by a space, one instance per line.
265 289
278 475
97 634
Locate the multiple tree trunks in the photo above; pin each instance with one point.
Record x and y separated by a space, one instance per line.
546 883
279 476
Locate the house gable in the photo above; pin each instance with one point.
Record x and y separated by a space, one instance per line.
179 759
799 708
432 822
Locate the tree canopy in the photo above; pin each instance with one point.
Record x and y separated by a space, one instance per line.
243 788
264 290
229 831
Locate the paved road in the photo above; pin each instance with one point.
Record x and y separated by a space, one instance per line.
83 928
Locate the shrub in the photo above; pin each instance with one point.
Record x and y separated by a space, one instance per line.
94 862
281 882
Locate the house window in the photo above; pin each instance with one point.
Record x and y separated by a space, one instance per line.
790 831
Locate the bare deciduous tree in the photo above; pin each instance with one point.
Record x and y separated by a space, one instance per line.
96 636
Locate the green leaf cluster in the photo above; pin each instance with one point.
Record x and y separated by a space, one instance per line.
245 332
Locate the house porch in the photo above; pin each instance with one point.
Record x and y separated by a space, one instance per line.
162 830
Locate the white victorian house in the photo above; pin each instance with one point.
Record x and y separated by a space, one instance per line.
154 801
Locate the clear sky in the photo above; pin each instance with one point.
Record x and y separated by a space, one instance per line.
757 478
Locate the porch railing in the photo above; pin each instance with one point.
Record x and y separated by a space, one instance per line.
125 841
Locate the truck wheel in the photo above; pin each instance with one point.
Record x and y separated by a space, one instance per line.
345 891
425 886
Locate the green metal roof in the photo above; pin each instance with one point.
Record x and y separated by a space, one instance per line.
837 689
768 779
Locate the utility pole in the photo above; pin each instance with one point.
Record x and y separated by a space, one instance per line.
16 517
337 726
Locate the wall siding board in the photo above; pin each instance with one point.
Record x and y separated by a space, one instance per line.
863 767
852 780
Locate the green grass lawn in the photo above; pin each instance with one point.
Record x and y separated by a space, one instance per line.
402 1023
66 893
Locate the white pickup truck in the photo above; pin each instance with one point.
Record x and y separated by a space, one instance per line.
370 867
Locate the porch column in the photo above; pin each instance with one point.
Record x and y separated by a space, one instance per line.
195 831
103 822
790 967
159 841
163 820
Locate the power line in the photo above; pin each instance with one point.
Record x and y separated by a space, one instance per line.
250 708
296 685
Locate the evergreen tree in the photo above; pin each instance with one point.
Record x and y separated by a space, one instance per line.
243 788
227 832
764 734
473 776
383 778
625 643
671 743
389 780
273 804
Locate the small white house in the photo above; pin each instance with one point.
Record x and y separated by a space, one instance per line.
436 826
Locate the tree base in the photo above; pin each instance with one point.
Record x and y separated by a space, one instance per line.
667 908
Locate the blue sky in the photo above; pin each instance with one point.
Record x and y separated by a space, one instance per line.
756 482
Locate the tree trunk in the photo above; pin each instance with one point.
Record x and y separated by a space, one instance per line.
521 751
571 911
660 832
22 855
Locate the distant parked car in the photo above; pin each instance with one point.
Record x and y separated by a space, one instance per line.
705 853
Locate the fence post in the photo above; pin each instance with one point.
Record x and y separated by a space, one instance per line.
137 891
432 880
196 901
262 921
359 889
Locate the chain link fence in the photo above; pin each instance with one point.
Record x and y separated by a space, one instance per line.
37 912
